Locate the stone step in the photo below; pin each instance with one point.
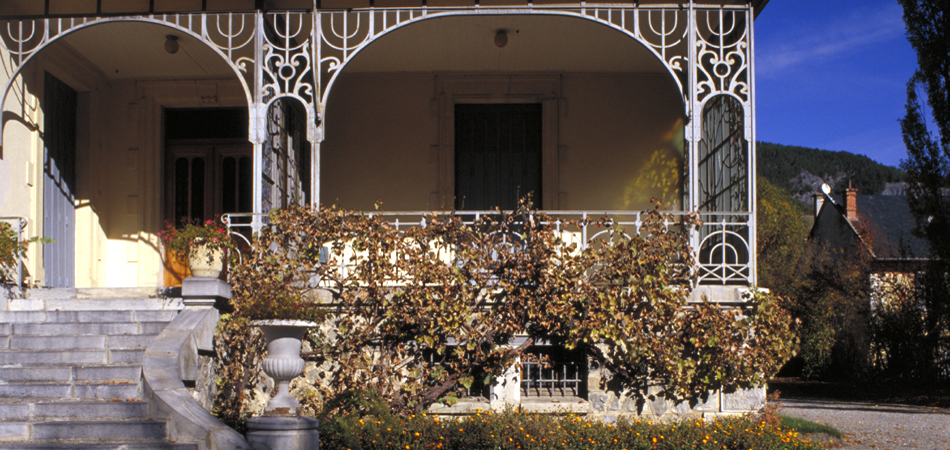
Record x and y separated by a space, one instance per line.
83 293
61 357
95 304
82 373
99 430
144 315
87 342
82 410
107 390
71 373
90 328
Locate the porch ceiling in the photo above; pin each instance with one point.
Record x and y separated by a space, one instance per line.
536 43
136 50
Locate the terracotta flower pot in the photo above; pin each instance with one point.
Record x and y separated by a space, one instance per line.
283 362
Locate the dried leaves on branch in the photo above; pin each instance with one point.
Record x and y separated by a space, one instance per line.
420 314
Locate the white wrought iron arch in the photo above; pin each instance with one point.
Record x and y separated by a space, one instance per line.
237 66
336 65
729 266
312 125
746 110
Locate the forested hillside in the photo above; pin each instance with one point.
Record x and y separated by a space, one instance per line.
801 170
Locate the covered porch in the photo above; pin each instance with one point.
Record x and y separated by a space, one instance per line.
592 109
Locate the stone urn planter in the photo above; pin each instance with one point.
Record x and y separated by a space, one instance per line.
283 362
205 262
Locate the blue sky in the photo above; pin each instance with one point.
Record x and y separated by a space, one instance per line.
832 74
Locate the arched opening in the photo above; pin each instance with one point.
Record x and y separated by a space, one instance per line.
724 192
116 147
607 119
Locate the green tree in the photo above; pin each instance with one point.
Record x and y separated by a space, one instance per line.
827 290
928 163
928 156
780 237
830 295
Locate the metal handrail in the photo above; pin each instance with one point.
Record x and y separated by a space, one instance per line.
721 245
5 272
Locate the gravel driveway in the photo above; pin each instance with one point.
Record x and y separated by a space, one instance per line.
875 426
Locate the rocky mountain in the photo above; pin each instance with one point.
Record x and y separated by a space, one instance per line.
801 171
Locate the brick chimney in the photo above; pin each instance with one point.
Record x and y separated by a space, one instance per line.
851 203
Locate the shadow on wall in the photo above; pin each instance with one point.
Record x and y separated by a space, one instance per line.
661 176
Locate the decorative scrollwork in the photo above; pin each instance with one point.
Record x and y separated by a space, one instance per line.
286 64
664 30
227 33
668 31
722 53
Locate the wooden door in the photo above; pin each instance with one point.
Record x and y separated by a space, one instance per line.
202 181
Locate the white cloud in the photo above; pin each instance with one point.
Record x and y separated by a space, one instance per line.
822 39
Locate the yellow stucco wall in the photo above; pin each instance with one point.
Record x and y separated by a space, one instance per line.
119 164
624 138
619 141
380 134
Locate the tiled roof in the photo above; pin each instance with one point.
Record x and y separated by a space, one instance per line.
890 223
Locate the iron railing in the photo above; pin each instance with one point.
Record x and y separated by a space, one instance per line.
720 245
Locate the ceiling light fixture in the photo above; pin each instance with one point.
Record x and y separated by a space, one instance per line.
501 38
171 44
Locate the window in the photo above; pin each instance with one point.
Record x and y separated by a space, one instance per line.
553 371
497 155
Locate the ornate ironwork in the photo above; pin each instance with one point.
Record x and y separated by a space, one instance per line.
281 177
722 53
343 34
724 252
724 185
287 64
723 163
231 35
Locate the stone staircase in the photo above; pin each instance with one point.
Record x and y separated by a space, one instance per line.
71 370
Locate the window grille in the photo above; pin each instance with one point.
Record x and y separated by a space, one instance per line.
550 371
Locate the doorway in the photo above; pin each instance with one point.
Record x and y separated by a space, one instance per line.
498 155
207 179
59 182
208 171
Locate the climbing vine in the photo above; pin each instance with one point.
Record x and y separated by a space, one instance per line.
421 314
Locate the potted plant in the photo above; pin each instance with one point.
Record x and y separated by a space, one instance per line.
276 296
204 245
12 249
283 317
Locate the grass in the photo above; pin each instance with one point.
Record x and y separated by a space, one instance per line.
808 427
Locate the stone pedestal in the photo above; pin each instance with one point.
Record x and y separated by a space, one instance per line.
283 433
204 292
